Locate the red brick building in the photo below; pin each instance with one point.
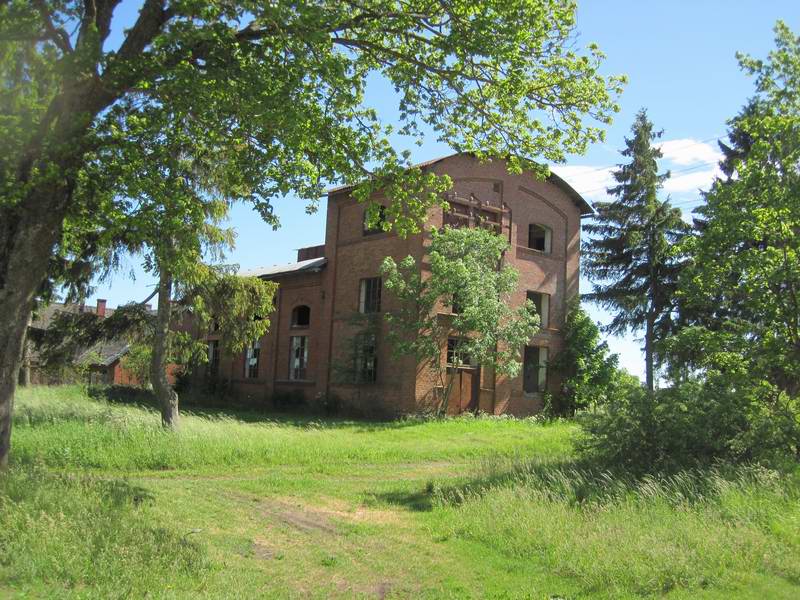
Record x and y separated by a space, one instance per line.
316 345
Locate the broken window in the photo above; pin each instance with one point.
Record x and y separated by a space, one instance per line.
539 238
542 304
301 316
213 357
251 359
366 367
534 371
456 356
298 357
377 227
370 296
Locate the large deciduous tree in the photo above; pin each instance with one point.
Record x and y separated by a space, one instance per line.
630 254
467 276
742 286
277 88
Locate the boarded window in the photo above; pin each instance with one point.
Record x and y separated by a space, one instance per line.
540 238
251 359
542 304
301 316
377 227
366 367
298 357
369 300
534 372
213 357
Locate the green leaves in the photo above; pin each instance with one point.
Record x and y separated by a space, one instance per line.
465 295
628 255
744 280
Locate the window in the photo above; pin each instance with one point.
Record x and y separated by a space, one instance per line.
539 238
298 357
542 304
455 305
301 316
369 300
213 357
378 226
455 353
366 367
251 358
534 371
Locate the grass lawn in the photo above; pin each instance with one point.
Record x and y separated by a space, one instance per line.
100 502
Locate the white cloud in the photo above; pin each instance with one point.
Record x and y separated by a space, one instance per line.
691 182
589 181
687 151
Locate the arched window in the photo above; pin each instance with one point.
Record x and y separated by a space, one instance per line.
540 238
301 316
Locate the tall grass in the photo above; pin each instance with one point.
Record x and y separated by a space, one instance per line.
61 427
86 537
627 536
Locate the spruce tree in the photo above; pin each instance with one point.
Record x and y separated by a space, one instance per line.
629 254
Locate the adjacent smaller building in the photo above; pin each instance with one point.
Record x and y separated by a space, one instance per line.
103 361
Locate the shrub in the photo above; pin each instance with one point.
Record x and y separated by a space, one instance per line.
691 424
589 372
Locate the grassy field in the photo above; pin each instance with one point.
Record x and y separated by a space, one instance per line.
101 503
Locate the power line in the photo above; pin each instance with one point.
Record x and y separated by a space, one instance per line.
694 167
681 147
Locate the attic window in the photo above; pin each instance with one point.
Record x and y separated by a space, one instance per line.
539 238
301 316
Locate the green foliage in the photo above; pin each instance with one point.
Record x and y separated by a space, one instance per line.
241 306
630 255
137 362
465 268
256 100
742 290
696 423
589 372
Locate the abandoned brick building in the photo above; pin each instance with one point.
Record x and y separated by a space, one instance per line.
311 337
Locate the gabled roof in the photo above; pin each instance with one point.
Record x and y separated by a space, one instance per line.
104 353
580 201
311 265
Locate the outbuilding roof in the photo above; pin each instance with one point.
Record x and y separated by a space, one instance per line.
311 265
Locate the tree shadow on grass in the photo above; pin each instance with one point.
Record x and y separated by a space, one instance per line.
572 480
208 407
581 482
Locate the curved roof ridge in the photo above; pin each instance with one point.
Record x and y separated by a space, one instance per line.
584 206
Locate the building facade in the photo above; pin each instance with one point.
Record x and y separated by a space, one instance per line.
327 336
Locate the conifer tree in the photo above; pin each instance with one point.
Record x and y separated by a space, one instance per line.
629 253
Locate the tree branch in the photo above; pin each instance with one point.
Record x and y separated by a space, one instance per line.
56 34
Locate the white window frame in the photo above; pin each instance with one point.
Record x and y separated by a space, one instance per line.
298 363
252 358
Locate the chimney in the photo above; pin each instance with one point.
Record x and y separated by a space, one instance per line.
101 307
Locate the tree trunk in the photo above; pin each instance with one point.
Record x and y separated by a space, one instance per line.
25 366
167 397
27 238
648 352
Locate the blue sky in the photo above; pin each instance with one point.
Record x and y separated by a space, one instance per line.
680 60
